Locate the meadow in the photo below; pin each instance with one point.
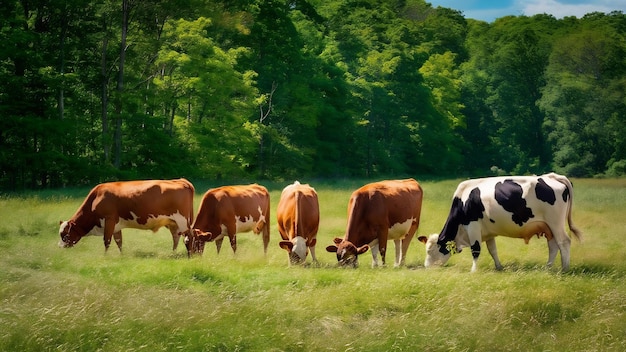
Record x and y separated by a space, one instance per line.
152 299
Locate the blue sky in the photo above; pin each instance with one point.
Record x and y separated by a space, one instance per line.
489 10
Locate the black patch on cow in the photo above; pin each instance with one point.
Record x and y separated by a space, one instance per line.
492 221
509 195
449 231
475 249
566 194
460 214
544 192
473 208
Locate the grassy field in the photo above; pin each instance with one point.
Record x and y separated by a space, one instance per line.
150 299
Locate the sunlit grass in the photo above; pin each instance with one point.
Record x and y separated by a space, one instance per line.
151 299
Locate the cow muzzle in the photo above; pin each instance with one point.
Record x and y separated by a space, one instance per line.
63 244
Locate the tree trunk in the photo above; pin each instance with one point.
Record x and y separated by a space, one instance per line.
120 87
104 76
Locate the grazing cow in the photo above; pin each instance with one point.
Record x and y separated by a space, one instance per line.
377 212
228 210
298 216
511 206
147 205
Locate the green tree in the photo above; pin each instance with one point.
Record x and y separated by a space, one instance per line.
205 97
585 96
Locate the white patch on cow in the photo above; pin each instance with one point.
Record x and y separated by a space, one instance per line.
433 256
299 247
61 229
398 231
246 223
261 215
153 223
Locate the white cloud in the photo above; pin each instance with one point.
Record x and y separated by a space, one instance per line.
561 9
491 14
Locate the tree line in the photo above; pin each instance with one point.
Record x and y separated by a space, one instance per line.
280 89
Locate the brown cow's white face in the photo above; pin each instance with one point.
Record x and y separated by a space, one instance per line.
297 249
69 234
434 257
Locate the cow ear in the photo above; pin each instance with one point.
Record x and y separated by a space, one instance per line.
331 249
423 239
313 242
362 249
337 240
60 222
286 245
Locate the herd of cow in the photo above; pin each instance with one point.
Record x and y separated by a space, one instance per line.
511 206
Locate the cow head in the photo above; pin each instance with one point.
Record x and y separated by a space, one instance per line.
436 252
70 233
297 249
194 241
347 252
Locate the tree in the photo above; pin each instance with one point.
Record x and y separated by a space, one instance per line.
584 98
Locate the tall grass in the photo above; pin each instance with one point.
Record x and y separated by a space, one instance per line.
151 299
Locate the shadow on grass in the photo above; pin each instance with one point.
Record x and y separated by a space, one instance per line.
586 269
597 270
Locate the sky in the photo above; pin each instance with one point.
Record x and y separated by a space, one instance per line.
489 10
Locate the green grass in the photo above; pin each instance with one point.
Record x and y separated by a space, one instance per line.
150 299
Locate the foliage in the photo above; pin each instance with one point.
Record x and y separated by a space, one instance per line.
276 89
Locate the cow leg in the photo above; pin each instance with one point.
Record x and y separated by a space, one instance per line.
474 237
475 255
233 242
399 257
117 236
109 226
382 245
553 249
218 244
406 242
491 246
266 236
175 240
564 242
175 236
312 249
375 250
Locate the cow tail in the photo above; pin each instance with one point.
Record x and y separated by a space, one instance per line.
575 230
297 217
190 216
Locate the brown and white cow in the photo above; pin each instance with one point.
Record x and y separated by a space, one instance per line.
148 205
377 212
228 210
298 216
511 206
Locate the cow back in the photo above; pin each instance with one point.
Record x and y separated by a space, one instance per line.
298 212
377 206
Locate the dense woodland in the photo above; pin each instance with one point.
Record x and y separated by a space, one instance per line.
280 89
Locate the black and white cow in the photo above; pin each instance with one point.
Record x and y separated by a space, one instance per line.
511 206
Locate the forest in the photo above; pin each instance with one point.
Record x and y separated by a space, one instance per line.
101 90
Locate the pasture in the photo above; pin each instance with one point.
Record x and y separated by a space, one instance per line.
150 299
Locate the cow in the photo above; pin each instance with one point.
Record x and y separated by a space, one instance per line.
147 205
298 216
226 211
378 212
511 206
